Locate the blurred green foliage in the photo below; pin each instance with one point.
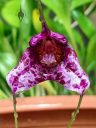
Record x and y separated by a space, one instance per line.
75 19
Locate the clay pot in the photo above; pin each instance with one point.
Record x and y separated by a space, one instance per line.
48 112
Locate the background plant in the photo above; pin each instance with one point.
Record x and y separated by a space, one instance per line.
75 19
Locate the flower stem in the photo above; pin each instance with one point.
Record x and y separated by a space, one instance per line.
42 19
74 114
15 113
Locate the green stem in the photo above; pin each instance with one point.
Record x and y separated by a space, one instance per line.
15 113
74 114
42 19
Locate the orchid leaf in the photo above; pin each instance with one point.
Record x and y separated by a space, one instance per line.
7 61
25 25
80 44
76 4
84 23
1 30
91 50
10 12
2 94
62 10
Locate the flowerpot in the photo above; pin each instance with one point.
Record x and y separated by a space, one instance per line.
48 112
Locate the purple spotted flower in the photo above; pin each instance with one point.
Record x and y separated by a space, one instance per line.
48 57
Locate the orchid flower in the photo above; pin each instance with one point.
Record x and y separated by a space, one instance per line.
48 57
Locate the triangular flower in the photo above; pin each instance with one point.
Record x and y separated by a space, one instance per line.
48 57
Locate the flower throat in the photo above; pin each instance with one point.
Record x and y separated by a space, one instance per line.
49 52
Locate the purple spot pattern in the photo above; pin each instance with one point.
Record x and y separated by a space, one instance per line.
30 72
71 75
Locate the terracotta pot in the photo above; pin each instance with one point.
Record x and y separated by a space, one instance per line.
48 112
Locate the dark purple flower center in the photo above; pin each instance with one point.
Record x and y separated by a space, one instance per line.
49 52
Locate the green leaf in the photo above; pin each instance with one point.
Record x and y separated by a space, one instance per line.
62 9
10 12
26 26
76 3
84 23
1 30
2 3
91 51
54 23
7 61
4 86
2 94
5 46
80 43
91 66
